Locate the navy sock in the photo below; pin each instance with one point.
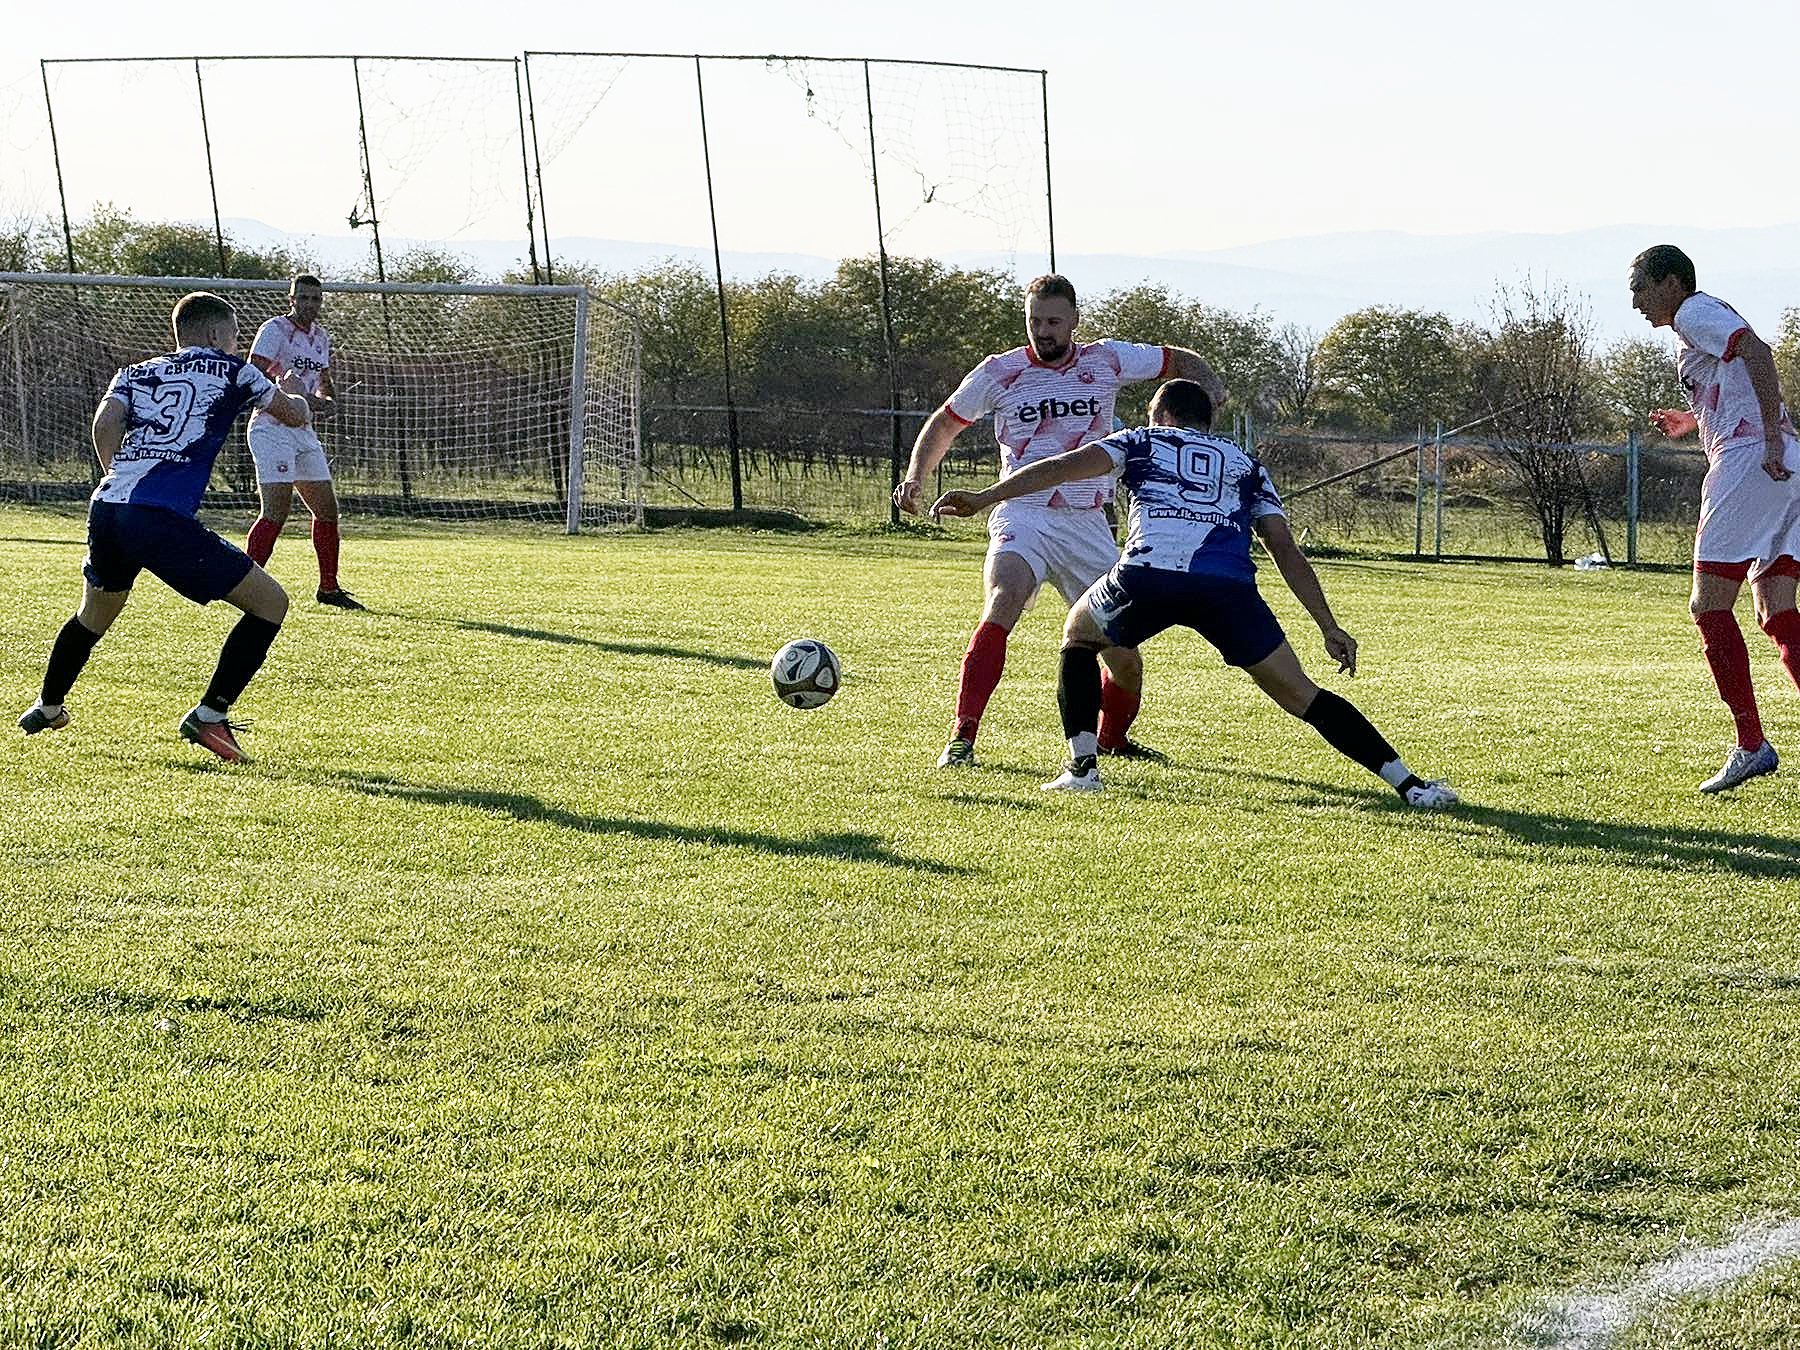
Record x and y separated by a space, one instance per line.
1348 732
1078 691
246 647
73 645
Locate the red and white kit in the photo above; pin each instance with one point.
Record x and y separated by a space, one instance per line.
1748 521
290 454
1039 411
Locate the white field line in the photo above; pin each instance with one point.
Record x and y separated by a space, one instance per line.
1589 1321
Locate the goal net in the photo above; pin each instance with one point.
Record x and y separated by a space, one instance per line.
456 402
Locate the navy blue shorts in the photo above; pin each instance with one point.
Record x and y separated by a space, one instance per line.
1134 604
124 540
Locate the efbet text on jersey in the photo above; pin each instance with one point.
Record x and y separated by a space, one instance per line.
1049 408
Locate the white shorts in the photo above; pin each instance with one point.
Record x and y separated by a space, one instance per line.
1746 517
287 454
1071 548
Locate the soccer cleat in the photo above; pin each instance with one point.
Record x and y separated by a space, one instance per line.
1741 765
1429 795
214 736
34 721
1130 749
339 599
959 754
1078 775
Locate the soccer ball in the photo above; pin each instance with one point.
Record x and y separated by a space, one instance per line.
806 673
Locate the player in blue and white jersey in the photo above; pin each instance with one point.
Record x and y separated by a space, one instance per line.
157 432
1195 500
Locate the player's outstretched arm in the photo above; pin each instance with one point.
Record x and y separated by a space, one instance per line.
1190 365
1087 461
928 452
108 431
289 409
1674 422
1278 538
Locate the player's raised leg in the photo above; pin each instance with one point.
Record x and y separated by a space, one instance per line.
1010 583
69 655
1711 603
1343 727
264 605
321 499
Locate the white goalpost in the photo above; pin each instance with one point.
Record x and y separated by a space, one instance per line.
453 401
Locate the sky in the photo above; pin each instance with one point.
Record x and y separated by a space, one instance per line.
1173 127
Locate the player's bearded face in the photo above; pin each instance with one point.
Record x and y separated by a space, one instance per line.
306 301
1050 324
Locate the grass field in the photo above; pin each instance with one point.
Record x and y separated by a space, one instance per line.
545 982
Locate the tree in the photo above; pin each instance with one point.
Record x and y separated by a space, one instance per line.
677 307
1241 347
1537 378
1297 385
1633 378
1392 369
1787 354
111 241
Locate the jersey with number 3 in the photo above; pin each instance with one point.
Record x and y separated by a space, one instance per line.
1194 497
178 410
1041 410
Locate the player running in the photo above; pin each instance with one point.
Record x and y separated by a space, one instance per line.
1195 497
1749 501
156 433
291 457
1046 397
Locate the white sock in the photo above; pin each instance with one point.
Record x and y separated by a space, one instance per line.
1394 773
50 710
1084 745
206 714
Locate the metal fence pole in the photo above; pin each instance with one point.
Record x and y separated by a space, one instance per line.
712 211
1437 535
1419 493
1049 194
212 182
537 160
887 309
56 157
1633 450
525 167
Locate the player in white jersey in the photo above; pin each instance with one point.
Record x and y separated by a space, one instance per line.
1750 501
297 344
1045 397
1195 499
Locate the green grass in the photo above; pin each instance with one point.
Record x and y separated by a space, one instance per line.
546 982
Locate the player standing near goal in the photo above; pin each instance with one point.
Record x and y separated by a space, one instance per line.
1195 498
1048 396
1749 501
157 432
291 457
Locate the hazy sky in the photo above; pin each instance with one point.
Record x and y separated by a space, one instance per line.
1173 126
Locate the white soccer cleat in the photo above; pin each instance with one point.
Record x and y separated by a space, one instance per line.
1430 796
1078 775
959 754
1741 765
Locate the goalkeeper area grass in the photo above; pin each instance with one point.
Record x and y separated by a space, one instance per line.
546 982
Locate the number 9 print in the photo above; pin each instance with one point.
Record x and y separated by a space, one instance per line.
1201 471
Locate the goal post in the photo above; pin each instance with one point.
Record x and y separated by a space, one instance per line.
458 402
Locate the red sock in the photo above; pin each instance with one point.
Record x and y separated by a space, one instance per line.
1118 706
1723 643
261 542
325 544
981 667
1784 629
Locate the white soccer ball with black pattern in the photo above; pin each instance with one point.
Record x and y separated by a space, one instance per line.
806 673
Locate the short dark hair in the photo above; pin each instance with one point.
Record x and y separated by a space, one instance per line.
304 279
1052 286
1186 402
1665 260
199 309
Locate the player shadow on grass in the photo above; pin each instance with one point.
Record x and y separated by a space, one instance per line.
845 846
1669 848
657 649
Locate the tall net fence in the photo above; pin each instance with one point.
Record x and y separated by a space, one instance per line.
451 402
296 152
840 174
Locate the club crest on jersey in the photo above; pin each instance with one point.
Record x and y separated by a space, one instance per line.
1045 410
1085 376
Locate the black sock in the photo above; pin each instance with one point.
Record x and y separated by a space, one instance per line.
73 645
246 647
1078 691
1348 732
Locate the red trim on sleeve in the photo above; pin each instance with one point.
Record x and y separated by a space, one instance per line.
1731 343
967 422
1168 360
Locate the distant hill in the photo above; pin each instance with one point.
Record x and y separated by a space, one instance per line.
1311 281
